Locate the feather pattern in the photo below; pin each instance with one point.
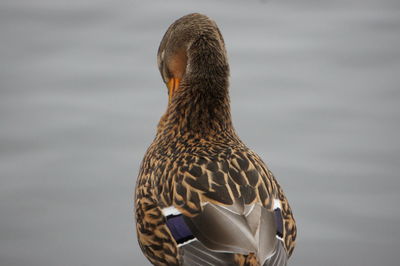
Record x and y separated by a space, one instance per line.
198 167
206 173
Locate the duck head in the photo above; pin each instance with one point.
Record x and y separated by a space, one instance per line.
192 52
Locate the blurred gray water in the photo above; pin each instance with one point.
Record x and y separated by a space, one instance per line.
314 90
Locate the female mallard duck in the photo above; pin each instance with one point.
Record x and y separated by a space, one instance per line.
203 197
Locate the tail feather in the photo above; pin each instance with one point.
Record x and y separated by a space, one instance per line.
279 258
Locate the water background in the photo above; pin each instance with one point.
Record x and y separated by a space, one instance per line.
314 90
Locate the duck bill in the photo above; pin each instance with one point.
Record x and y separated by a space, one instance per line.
173 85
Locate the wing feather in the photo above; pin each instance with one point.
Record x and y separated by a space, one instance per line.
231 204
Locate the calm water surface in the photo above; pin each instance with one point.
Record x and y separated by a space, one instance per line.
314 90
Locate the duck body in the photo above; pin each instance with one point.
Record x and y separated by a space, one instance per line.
202 196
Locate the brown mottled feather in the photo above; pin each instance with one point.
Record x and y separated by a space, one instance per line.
196 156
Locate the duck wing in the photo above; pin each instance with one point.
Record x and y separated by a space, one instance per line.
239 213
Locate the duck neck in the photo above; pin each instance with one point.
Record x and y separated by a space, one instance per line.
201 104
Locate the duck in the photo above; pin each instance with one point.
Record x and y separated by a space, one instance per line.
202 196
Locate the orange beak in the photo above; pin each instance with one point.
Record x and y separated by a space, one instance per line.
173 85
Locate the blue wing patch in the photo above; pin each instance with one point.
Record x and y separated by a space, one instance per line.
279 222
177 226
